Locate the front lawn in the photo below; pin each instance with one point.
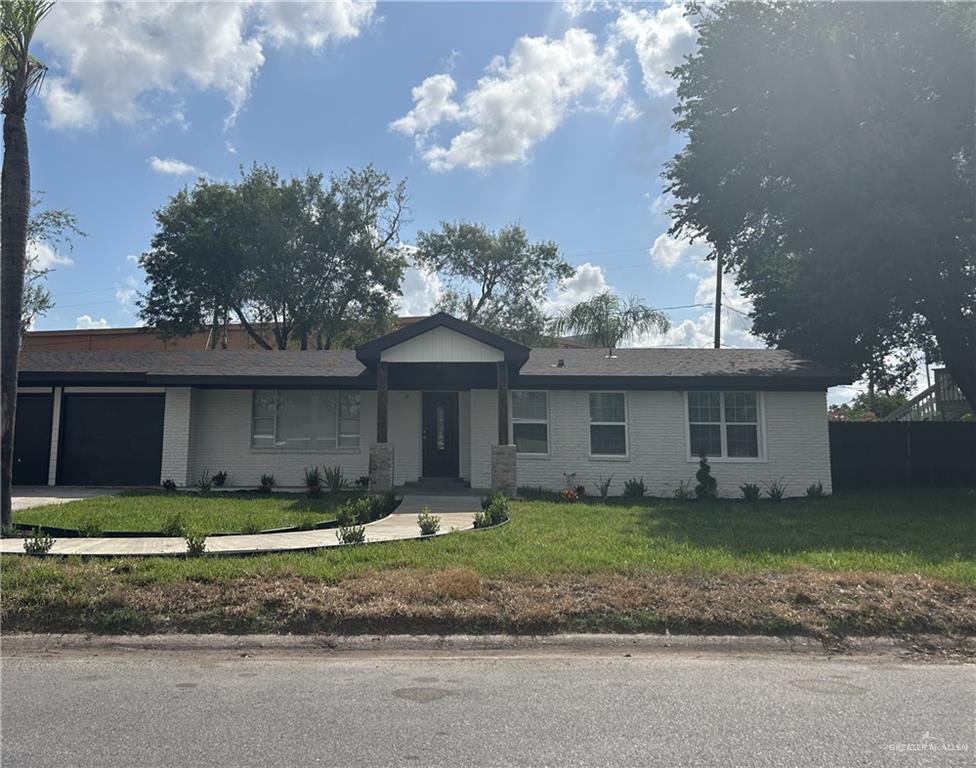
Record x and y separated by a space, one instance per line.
218 512
868 562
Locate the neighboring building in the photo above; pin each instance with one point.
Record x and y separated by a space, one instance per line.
438 398
943 401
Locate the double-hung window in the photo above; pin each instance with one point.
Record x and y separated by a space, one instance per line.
530 421
724 425
304 420
608 424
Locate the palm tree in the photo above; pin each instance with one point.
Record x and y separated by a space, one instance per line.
606 320
21 75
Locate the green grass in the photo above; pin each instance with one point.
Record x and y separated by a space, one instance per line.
223 512
929 533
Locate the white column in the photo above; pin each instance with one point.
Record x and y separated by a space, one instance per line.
176 435
52 465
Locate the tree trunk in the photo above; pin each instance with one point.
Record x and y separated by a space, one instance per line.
14 210
258 338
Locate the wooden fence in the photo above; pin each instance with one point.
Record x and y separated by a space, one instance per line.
902 453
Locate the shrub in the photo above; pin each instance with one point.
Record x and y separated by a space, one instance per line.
313 482
334 480
707 487
351 534
363 481
359 511
816 491
219 479
251 527
429 524
603 485
634 488
569 495
38 543
196 544
169 485
90 527
491 498
495 513
750 491
173 525
776 489
267 483
204 483
683 491
383 504
580 491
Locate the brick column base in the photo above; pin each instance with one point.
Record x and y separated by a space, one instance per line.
380 467
504 475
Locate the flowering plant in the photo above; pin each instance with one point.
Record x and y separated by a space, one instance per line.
569 495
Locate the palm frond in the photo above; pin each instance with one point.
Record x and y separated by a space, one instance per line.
21 73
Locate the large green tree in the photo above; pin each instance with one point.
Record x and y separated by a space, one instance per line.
830 163
21 75
303 260
498 280
606 320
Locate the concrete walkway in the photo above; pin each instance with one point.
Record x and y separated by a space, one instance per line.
438 505
399 526
44 495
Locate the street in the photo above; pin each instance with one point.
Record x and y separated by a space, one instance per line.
156 708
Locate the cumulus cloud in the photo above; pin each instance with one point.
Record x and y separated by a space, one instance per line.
585 283
422 289
170 166
87 323
116 60
126 293
42 256
661 39
667 251
518 102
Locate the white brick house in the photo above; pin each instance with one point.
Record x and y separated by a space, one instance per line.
439 398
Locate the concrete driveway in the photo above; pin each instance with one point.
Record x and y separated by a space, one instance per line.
43 495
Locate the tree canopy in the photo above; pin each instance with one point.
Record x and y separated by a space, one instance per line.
830 161
606 320
54 228
498 280
304 259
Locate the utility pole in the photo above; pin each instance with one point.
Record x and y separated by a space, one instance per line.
718 299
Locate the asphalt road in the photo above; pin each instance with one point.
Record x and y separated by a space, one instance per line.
664 709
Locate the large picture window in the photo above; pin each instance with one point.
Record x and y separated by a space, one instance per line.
530 421
608 424
724 424
304 420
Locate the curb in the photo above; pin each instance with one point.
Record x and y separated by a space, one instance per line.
29 644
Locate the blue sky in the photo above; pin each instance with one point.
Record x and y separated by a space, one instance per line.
554 115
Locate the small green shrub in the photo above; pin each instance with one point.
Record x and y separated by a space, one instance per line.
383 504
603 485
250 527
38 543
580 491
635 489
334 480
776 489
683 491
169 485
204 483
196 544
313 482
750 491
173 525
429 524
359 511
363 481
495 513
491 498
267 483
351 534
219 479
816 491
707 487
90 527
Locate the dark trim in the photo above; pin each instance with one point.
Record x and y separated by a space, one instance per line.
369 353
502 389
682 383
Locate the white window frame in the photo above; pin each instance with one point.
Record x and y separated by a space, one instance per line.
512 421
331 449
725 458
590 424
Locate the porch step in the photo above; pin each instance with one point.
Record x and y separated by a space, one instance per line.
437 482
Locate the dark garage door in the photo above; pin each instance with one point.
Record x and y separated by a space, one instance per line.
32 439
111 439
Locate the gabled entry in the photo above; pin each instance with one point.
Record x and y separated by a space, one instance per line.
440 434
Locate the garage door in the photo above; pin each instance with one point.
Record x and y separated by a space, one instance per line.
111 439
32 439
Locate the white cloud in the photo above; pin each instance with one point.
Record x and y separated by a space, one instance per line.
126 293
421 288
517 103
87 323
587 282
114 60
43 256
170 166
661 39
667 252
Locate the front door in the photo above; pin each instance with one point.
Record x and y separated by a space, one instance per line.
440 434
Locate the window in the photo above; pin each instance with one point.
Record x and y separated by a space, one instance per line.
724 424
304 420
608 424
530 421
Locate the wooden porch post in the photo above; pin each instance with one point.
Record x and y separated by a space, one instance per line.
382 403
502 379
